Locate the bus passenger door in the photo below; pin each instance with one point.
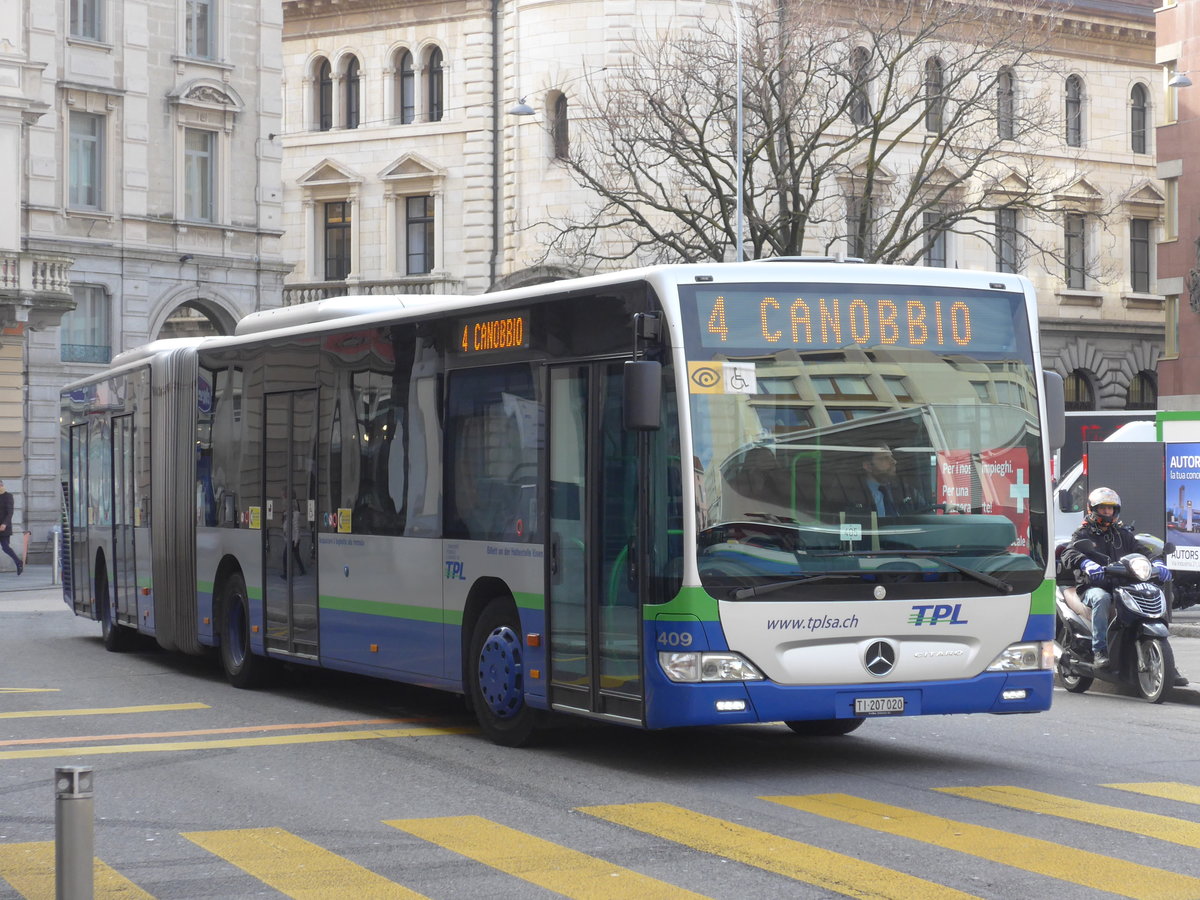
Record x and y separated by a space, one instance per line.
81 567
594 615
124 573
289 532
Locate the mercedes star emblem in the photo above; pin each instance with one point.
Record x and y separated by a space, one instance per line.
880 658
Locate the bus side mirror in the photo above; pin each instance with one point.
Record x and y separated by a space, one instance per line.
1056 410
643 395
1064 501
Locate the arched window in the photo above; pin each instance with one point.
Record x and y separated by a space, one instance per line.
1143 392
353 94
190 319
324 96
406 89
1006 105
1138 103
560 133
860 77
433 85
935 100
1078 392
1074 111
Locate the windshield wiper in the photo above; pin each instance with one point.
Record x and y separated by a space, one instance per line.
759 590
984 577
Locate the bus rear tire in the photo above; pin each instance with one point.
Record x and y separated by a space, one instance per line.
242 668
824 727
495 676
117 638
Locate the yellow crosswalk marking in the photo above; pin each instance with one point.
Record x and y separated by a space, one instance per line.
1177 831
1031 854
1166 790
99 711
296 867
29 868
230 743
552 866
4 690
793 859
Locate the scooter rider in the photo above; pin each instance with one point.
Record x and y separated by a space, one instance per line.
1102 526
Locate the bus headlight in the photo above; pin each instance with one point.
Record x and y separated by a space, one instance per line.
695 667
1025 657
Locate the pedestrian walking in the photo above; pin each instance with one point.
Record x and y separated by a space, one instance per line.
6 514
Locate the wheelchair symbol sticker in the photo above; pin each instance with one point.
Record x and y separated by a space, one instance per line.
740 378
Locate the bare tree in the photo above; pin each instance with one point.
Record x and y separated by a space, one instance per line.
874 127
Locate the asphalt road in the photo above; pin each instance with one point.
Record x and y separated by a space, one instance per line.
335 786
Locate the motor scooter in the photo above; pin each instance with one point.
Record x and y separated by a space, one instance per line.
1138 637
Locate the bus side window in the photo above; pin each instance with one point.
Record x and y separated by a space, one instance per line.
493 440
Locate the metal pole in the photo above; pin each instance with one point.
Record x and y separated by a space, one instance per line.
73 837
737 19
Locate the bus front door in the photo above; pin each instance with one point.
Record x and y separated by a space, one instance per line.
289 532
594 616
81 566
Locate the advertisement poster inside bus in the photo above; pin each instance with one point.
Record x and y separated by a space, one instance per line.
997 484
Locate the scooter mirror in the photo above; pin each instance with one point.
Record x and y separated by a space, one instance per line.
1168 548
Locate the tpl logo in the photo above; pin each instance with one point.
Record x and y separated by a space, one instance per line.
941 614
455 570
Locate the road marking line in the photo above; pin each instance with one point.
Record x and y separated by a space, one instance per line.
178 746
296 867
772 853
1166 790
4 690
200 731
29 868
544 863
100 711
1164 828
1030 854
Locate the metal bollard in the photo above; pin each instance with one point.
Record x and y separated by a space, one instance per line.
73 838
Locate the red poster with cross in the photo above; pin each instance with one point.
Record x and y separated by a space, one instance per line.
1004 478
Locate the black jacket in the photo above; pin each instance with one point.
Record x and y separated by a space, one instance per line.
6 511
1113 542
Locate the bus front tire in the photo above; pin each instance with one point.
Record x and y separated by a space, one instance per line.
242 668
824 727
495 676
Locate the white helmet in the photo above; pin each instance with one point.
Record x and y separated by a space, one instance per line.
1103 496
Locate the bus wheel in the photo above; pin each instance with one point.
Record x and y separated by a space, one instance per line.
116 637
242 668
495 676
824 727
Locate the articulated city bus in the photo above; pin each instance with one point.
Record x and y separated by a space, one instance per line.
644 497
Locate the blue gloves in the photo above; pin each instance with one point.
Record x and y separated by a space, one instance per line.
1094 571
1164 574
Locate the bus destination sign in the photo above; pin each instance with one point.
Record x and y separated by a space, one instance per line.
494 333
827 317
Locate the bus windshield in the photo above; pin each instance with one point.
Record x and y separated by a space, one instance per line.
857 440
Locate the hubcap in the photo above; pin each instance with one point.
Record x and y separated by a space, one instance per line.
501 672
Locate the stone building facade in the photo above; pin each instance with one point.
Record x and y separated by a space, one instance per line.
405 169
1178 158
147 164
